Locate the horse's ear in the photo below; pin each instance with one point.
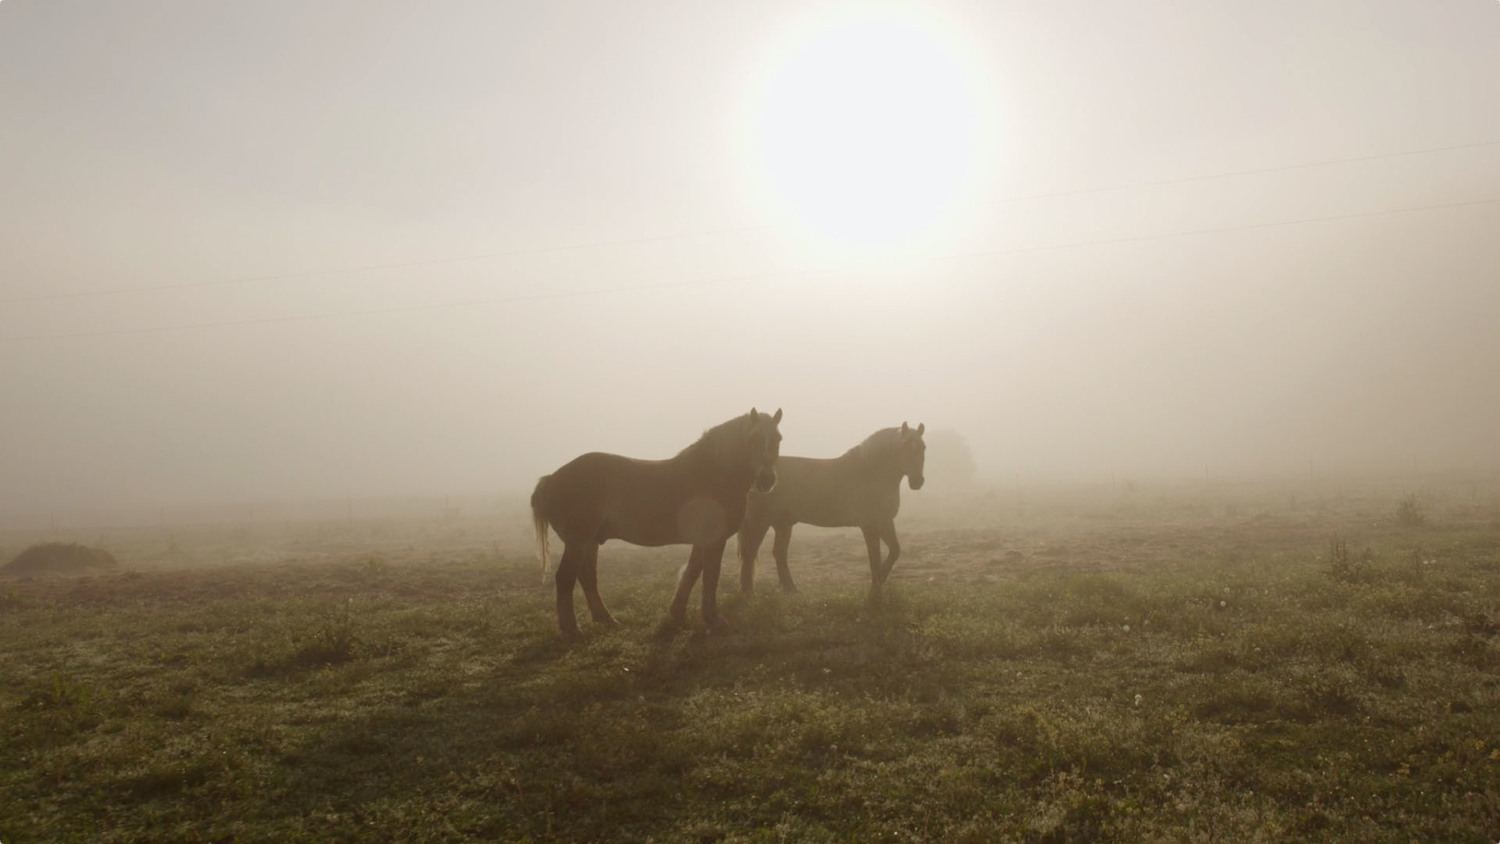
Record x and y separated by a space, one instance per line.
754 417
921 426
904 430
777 417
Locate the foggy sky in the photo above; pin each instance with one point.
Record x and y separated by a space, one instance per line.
186 143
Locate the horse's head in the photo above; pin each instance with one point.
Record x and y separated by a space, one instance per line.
764 447
911 454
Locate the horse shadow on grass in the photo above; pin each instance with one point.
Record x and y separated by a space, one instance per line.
595 738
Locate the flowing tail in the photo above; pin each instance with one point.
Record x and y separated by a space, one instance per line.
539 521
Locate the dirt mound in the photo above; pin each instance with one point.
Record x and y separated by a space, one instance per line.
59 558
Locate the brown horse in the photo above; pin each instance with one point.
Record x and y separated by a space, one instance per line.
860 489
696 498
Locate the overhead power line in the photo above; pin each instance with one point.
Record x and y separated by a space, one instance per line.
689 235
740 278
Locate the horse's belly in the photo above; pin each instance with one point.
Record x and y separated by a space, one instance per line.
646 538
829 520
695 520
828 508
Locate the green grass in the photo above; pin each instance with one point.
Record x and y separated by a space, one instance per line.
1263 694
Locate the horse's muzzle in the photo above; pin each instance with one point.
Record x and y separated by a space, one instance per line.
765 480
915 481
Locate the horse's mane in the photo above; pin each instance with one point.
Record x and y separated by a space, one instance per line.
877 444
725 442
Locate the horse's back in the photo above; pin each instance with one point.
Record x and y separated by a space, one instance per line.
816 491
793 475
600 496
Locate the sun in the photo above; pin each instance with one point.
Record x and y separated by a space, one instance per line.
865 130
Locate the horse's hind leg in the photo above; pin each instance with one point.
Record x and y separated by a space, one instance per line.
779 548
588 578
678 609
567 575
751 535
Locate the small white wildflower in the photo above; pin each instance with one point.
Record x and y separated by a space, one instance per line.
1223 604
1125 627
1138 700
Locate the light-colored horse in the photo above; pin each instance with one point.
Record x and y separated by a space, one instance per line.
696 498
860 489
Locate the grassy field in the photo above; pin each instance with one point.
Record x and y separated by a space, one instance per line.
1207 664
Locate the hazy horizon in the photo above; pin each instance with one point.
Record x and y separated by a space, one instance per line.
382 250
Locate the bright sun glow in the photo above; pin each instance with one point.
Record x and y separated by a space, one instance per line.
866 131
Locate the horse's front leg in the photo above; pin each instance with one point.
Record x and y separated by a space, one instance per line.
872 545
712 560
888 533
751 535
779 549
678 609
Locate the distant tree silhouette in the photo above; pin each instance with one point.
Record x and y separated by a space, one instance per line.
950 461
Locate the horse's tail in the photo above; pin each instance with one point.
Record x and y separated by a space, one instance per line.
539 522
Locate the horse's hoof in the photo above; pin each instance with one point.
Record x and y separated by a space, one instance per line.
570 634
790 589
717 624
606 620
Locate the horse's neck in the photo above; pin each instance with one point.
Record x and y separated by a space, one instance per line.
870 468
705 462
